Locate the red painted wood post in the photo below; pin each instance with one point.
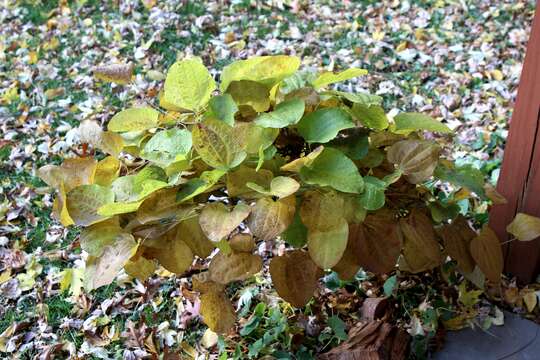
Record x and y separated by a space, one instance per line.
519 181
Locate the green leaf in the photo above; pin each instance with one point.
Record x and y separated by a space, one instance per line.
188 85
407 122
267 70
328 78
332 168
338 327
372 117
390 285
134 119
465 176
217 144
199 185
373 196
326 247
296 233
354 144
223 108
285 114
167 146
323 125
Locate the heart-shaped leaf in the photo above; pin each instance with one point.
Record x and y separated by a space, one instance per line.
188 85
295 277
235 266
270 218
415 159
217 221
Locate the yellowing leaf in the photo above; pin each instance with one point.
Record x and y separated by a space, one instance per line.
140 267
190 232
102 270
217 312
295 277
134 119
250 94
253 138
415 159
217 221
170 251
280 187
270 218
96 237
217 144
407 122
84 201
188 85
296 165
328 78
117 73
326 247
530 299
321 210
235 266
524 227
72 173
267 70
237 180
107 170
486 251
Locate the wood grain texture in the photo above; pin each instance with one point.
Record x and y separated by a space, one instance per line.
519 181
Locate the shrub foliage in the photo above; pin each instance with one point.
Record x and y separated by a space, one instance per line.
272 153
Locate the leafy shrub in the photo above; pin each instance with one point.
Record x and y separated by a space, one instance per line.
271 153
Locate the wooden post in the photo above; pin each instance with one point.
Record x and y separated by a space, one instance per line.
519 181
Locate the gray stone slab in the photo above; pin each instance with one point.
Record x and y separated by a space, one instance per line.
517 339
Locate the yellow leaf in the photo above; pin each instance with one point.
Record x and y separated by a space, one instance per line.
329 77
234 267
217 312
107 170
524 227
530 299
217 221
134 119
